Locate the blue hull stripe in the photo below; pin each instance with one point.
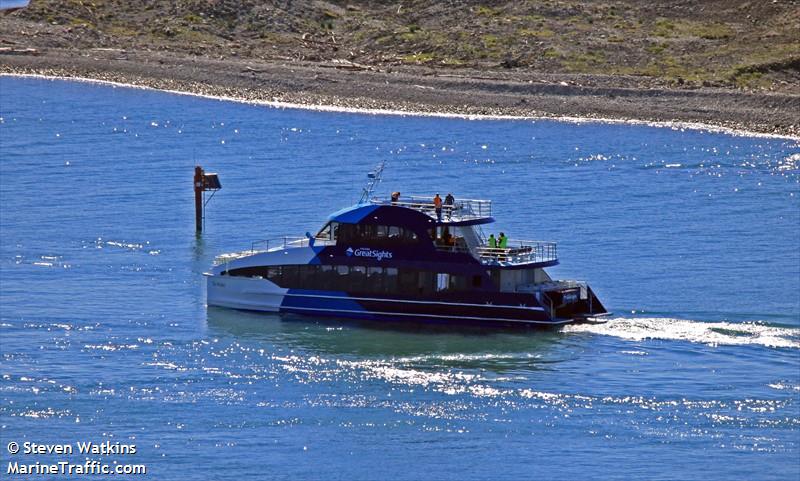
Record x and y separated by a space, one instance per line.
340 304
330 301
328 295
360 313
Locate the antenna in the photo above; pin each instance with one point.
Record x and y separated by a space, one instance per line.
373 179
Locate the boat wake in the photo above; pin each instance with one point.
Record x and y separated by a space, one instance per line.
711 333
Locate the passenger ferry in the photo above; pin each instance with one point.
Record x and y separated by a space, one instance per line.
394 259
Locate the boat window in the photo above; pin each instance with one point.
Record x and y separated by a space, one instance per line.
361 279
375 234
458 283
366 231
347 233
442 282
290 276
427 282
390 280
274 273
357 281
375 279
328 232
325 279
495 273
407 281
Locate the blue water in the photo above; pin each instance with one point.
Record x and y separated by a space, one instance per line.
690 237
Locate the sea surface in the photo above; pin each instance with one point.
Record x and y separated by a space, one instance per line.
691 237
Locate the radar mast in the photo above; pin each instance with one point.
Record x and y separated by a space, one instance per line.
373 179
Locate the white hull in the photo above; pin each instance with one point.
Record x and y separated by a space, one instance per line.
244 293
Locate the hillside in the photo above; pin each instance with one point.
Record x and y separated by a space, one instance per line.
733 43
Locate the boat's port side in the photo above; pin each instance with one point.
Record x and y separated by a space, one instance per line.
265 281
364 306
260 294
395 293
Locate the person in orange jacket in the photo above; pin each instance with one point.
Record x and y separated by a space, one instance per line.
437 205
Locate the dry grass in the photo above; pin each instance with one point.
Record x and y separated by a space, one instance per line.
736 43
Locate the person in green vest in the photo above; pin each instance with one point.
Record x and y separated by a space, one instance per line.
492 242
502 241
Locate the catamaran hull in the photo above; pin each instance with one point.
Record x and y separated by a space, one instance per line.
255 294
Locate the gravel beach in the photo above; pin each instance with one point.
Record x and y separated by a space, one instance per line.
725 63
417 89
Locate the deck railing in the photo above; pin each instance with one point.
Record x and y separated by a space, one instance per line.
279 242
452 248
461 209
518 252
263 245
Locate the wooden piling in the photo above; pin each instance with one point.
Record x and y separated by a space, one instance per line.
198 198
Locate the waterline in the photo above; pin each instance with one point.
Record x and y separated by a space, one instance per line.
279 104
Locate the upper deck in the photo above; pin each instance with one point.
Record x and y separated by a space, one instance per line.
516 253
405 225
461 211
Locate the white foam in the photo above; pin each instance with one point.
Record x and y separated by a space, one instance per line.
784 386
276 103
712 333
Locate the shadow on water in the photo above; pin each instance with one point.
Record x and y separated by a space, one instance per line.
199 248
464 347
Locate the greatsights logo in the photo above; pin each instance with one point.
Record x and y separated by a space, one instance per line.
367 252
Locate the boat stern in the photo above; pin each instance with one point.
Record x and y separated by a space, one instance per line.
571 300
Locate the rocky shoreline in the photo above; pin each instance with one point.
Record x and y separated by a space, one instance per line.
345 84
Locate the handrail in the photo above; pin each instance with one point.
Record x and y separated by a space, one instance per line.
461 209
452 248
518 252
279 242
553 285
263 245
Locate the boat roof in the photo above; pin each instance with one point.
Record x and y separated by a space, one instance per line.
380 214
406 214
416 210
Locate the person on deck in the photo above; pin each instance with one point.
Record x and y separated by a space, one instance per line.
395 197
437 205
449 201
492 242
502 241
